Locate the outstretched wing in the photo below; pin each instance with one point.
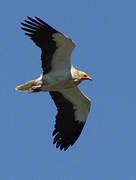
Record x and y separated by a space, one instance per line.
56 48
73 107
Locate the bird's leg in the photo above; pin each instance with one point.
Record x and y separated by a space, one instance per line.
37 88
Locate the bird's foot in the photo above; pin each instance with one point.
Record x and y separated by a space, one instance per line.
36 88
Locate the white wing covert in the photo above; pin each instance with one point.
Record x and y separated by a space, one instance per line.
56 48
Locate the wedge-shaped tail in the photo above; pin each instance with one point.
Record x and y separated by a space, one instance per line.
26 87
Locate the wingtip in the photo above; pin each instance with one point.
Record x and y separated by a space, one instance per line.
31 19
28 17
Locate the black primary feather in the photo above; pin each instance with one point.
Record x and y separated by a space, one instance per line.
67 128
41 33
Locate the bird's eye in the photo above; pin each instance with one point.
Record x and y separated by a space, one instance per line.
85 75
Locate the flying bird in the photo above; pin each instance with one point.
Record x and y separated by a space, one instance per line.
60 79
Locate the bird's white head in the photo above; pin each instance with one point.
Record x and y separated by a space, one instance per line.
79 76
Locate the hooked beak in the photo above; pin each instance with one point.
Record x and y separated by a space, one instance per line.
86 77
89 78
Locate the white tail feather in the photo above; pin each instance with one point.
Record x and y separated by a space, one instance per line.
26 87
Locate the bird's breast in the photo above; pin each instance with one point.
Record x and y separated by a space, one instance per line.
55 81
57 76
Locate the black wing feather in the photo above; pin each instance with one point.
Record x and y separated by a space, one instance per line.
67 129
41 33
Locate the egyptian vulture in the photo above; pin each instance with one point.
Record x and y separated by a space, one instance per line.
60 79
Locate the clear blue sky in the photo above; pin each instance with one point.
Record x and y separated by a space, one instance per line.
105 35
